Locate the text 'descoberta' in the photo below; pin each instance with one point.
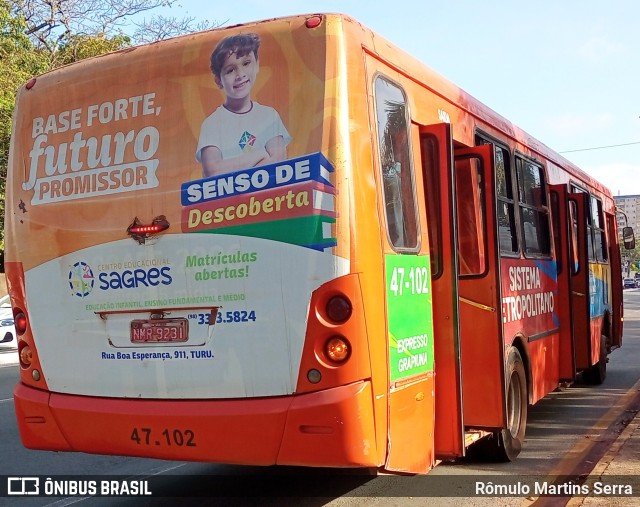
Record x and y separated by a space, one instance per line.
303 199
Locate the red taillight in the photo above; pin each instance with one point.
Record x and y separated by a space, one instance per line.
339 309
20 322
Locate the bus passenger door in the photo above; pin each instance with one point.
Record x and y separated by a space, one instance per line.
579 295
564 250
616 282
482 347
436 149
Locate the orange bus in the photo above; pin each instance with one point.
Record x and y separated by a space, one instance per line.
289 242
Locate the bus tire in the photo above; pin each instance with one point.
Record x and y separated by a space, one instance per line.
598 372
507 443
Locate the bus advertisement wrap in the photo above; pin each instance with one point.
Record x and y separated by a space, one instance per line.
247 189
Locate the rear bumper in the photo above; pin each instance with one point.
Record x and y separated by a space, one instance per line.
332 428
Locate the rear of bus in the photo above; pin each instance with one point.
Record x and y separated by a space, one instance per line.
166 314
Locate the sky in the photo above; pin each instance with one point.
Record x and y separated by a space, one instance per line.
565 71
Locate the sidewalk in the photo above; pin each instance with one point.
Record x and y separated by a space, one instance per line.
620 465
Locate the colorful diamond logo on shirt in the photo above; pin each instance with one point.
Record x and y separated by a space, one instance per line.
246 141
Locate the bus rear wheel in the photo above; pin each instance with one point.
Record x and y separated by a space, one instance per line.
506 444
598 372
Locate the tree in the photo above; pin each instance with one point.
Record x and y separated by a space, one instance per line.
37 36
162 27
18 62
55 25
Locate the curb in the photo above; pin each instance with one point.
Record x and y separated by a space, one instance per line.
601 468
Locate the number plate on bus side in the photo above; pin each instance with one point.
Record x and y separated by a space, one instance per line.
159 331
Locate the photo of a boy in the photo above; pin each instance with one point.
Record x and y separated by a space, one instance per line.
241 133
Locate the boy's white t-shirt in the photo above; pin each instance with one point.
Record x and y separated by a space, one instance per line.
238 133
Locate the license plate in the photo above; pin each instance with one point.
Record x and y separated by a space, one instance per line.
159 331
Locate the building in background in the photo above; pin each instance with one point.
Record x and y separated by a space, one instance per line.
629 205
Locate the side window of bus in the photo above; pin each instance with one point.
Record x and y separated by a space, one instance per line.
596 238
597 231
506 216
471 221
557 240
430 169
534 210
575 258
397 167
507 235
574 233
590 227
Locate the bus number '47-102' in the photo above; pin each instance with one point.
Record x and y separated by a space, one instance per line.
416 281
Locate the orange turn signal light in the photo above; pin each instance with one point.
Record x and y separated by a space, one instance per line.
337 349
26 355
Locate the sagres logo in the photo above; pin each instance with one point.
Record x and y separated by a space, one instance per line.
81 279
